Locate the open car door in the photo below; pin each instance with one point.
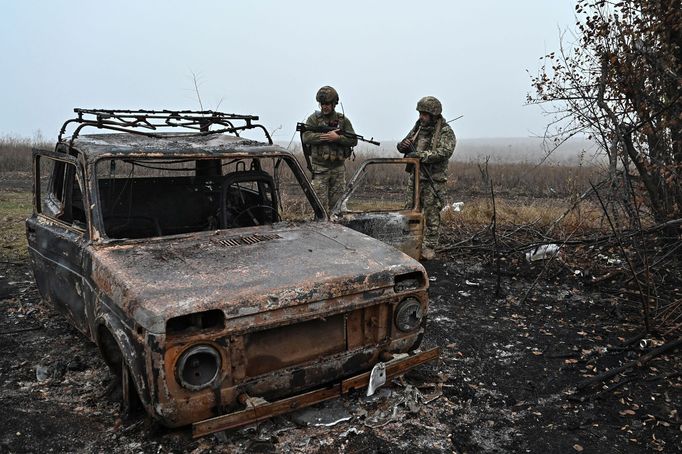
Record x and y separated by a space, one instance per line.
381 201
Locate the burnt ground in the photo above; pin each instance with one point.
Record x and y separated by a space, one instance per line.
506 381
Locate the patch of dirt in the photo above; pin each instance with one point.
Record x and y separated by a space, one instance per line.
505 382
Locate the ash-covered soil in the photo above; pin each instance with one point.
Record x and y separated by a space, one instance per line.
505 383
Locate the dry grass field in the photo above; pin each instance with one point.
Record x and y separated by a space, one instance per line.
526 193
15 207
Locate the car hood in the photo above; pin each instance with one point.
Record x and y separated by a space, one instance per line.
244 271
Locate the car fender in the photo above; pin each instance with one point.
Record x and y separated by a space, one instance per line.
130 356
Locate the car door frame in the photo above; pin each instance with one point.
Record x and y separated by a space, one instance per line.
402 229
56 247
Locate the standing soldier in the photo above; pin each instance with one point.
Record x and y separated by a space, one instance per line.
329 150
431 140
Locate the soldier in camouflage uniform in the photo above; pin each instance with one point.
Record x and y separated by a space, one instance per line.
330 150
433 141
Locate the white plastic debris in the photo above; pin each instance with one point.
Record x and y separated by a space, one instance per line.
472 284
542 252
455 206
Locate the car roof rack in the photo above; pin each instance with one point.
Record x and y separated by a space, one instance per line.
152 120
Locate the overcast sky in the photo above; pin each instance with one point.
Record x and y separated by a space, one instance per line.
268 58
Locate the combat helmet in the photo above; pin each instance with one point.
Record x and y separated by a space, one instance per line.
327 95
430 105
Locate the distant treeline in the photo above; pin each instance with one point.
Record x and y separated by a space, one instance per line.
504 150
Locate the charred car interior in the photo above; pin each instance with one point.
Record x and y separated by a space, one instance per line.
144 198
204 267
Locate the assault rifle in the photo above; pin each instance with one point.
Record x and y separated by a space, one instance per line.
302 127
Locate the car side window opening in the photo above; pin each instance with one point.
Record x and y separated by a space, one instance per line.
142 198
382 187
61 195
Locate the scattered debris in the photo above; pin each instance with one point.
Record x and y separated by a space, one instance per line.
43 373
326 414
610 260
542 252
455 206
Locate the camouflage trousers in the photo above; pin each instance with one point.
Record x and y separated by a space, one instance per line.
329 183
431 200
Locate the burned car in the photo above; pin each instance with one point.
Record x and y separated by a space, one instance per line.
204 267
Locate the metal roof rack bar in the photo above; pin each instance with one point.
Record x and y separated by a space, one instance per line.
132 121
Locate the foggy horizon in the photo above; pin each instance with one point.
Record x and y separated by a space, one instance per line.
269 58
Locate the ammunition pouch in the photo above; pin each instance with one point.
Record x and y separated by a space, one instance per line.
330 153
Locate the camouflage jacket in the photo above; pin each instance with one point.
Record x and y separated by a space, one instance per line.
329 154
434 157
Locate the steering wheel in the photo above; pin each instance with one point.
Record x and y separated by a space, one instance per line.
274 215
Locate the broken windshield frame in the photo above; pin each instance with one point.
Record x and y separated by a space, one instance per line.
147 197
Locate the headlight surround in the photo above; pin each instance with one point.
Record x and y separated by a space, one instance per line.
198 367
408 315
409 282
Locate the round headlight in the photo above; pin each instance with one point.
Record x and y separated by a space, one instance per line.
409 314
198 367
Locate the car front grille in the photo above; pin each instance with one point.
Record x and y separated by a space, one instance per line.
312 340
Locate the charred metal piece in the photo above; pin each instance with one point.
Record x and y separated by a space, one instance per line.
377 378
180 257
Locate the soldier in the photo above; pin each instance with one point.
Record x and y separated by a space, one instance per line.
329 150
431 140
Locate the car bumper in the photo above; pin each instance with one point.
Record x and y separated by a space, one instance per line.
267 410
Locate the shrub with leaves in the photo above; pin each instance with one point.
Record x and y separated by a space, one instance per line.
621 82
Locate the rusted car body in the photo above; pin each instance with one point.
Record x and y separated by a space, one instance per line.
177 255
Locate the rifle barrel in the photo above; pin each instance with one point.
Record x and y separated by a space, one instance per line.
302 127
